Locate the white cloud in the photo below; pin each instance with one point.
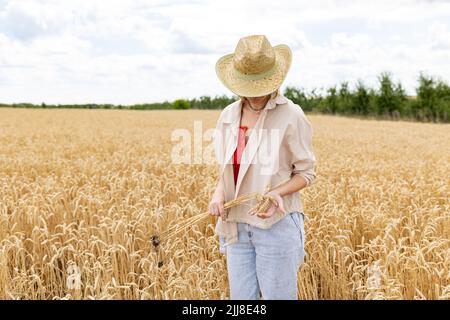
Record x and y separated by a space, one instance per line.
439 36
78 51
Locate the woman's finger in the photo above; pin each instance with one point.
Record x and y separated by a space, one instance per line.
279 203
221 211
274 201
264 215
268 214
213 210
281 206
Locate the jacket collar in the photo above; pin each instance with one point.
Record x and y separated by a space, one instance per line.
232 116
235 112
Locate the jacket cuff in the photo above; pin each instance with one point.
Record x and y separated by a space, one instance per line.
309 177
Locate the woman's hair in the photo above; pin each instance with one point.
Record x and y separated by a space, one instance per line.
273 94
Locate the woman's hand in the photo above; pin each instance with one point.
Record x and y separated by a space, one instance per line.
216 206
277 204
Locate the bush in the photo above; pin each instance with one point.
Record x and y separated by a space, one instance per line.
181 104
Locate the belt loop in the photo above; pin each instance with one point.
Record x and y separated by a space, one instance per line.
248 229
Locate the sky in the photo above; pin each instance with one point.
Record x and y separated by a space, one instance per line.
138 51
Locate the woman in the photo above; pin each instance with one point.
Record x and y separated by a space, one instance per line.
260 140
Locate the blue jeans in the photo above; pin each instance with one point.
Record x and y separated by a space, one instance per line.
266 261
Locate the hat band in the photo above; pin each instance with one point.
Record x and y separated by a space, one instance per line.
256 76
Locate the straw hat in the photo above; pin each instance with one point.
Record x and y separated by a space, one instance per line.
255 68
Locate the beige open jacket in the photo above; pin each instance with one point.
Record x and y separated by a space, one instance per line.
279 146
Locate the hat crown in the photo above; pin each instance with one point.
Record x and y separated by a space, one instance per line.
253 54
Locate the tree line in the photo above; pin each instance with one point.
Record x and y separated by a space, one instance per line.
387 100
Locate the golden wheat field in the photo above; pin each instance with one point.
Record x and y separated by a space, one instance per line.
85 190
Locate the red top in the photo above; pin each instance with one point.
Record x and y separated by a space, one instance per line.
238 152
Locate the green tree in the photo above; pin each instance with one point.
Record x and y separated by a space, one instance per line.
181 104
433 99
331 100
360 99
390 98
344 99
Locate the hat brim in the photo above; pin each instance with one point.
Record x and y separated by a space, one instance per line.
260 87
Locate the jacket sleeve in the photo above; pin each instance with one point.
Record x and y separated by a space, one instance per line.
301 150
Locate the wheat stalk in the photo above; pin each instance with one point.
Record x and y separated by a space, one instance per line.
70 201
263 204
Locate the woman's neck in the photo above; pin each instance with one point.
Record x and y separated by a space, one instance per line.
260 106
